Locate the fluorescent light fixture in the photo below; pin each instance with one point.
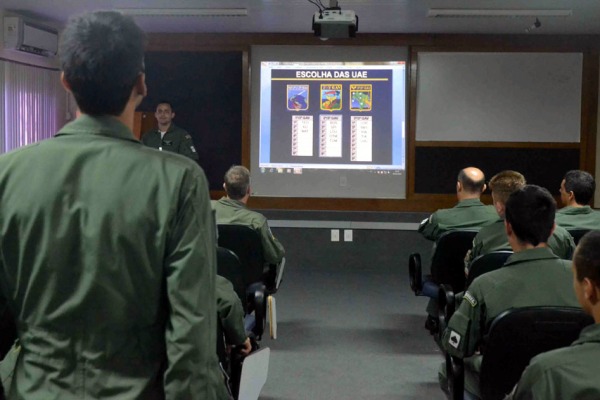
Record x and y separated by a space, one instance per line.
458 12
185 12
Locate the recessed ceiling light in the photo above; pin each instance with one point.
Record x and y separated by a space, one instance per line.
458 12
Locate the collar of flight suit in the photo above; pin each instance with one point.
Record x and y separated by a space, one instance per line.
469 203
589 334
540 253
98 125
231 202
570 210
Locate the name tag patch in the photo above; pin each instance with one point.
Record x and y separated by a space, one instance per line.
469 297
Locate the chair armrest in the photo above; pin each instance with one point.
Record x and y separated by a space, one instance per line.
257 302
446 306
280 270
415 273
455 372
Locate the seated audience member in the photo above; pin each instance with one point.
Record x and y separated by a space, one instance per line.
470 212
232 209
231 315
576 192
571 372
532 276
493 237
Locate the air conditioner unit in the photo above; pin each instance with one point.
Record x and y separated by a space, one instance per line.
30 37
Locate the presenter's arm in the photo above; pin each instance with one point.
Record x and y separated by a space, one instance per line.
190 272
186 147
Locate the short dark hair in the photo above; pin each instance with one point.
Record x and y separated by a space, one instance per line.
530 211
506 182
102 55
237 182
582 185
468 184
165 102
587 258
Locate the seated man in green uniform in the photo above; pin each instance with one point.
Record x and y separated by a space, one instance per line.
168 136
532 276
493 237
107 247
470 212
231 316
576 192
232 209
571 372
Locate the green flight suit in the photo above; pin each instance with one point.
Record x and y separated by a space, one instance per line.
231 312
469 213
578 218
568 373
229 211
493 238
108 263
534 277
175 140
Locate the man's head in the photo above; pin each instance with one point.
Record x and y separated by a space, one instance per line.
502 185
470 183
164 113
577 188
237 183
529 216
102 60
586 272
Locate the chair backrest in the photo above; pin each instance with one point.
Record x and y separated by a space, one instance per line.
230 268
486 263
517 335
448 260
246 243
577 234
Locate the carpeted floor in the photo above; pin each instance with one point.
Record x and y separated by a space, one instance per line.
349 326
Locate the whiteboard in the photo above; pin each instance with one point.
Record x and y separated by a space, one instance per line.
499 97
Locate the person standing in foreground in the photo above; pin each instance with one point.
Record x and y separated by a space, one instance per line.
571 372
107 247
168 136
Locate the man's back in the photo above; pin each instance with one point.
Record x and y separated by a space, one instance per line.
92 224
567 373
469 213
578 218
493 237
533 277
229 211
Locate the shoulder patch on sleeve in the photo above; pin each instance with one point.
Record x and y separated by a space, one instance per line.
454 339
469 297
187 136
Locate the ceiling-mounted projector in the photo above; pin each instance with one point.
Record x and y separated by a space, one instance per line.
335 24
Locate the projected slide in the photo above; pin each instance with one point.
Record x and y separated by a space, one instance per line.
328 121
328 115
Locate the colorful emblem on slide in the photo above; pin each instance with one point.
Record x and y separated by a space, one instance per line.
361 97
297 97
331 97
